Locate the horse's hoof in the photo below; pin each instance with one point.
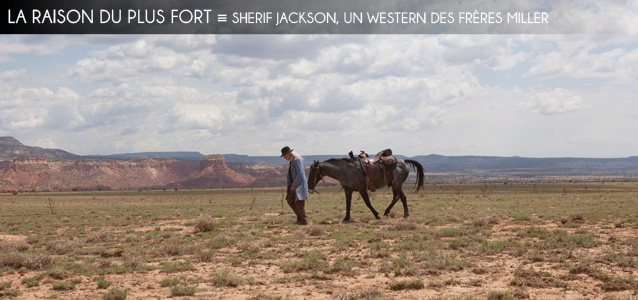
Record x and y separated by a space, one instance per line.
346 221
405 216
377 217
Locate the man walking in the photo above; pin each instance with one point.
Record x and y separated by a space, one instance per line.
297 184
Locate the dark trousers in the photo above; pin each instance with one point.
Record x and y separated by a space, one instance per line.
298 207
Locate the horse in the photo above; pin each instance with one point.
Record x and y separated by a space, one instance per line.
349 173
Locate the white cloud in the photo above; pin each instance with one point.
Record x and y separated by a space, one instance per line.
584 58
13 74
556 101
245 93
20 118
199 116
38 108
66 94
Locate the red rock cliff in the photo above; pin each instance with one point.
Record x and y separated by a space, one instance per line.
40 174
214 173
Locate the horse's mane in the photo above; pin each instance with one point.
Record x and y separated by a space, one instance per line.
338 159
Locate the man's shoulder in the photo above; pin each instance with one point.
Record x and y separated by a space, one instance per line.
297 160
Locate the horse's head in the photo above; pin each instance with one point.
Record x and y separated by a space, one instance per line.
315 176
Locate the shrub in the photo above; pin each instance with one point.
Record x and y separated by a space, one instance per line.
379 249
14 246
95 237
342 265
106 253
169 244
372 294
315 230
221 241
133 237
443 283
65 285
205 223
102 283
311 261
253 247
182 290
484 222
402 265
10 293
61 247
5 285
620 284
225 278
58 273
415 284
443 262
33 281
204 255
29 261
178 266
496 295
342 297
133 260
166 282
5 291
402 225
265 297
531 278
115 294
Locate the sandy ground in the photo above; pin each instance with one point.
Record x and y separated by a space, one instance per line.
496 273
488 273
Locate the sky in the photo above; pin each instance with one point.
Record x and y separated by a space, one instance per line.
530 95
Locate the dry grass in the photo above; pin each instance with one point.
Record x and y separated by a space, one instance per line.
205 223
372 294
97 237
315 230
460 239
28 261
401 225
204 255
414 284
530 278
14 246
226 278
64 246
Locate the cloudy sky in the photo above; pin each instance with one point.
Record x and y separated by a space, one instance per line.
537 95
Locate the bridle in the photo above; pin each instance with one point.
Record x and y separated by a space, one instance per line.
315 180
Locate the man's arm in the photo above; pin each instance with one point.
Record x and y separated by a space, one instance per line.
298 173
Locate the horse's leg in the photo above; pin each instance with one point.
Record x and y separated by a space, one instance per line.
348 204
395 198
366 199
404 200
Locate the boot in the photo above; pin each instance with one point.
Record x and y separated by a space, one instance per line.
301 213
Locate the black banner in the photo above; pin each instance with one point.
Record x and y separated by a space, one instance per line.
285 17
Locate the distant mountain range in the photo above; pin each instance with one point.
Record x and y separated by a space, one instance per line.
196 156
441 168
186 155
446 164
11 148
34 168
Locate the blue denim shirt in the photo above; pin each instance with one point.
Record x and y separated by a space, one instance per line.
298 178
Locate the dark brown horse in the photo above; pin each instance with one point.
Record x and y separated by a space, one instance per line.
349 173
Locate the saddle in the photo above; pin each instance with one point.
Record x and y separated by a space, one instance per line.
373 167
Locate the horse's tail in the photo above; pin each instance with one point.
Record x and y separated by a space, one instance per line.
420 176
